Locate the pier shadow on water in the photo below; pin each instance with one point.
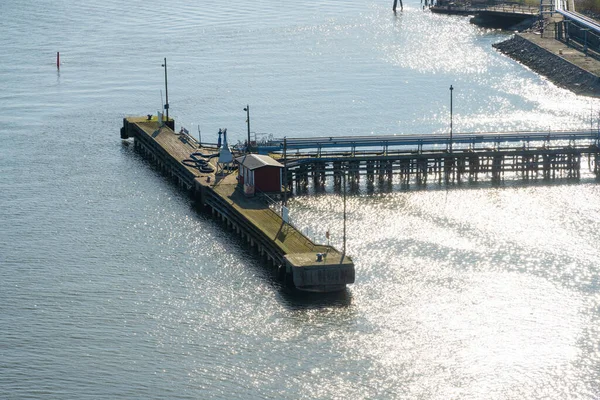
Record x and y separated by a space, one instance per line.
373 188
289 296
236 245
298 300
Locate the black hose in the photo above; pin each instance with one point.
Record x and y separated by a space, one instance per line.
200 164
198 154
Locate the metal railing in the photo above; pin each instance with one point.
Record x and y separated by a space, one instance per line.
503 7
276 207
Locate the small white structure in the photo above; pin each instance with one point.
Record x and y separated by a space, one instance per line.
225 156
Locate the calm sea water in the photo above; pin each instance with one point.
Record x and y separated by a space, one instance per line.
114 286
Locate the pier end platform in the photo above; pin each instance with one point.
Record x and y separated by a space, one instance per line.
320 272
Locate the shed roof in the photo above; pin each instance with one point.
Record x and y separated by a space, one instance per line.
254 161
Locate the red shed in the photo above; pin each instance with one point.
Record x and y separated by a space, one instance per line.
259 172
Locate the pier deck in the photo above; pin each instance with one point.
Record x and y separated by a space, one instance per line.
268 221
279 243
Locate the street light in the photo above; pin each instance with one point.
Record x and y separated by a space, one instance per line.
247 109
344 248
451 89
166 90
285 179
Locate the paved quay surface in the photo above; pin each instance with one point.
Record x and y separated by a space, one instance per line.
565 65
569 53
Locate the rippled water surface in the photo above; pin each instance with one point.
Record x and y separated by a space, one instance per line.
115 286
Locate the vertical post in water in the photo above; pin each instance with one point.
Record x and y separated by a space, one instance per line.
57 60
451 89
591 117
344 246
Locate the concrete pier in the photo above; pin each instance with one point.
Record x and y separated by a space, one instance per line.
300 262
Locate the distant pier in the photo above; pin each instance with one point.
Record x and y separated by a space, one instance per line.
298 261
493 14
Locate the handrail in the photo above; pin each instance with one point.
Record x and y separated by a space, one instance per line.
505 7
274 206
310 157
442 138
561 7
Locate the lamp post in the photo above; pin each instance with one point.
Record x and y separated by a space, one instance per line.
247 109
166 90
344 233
285 179
451 89
344 248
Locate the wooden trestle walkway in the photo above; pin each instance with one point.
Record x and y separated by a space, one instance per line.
425 158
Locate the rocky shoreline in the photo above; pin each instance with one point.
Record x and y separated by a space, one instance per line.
552 66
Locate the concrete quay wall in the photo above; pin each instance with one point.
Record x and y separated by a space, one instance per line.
545 58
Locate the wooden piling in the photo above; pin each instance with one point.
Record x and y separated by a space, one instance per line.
451 168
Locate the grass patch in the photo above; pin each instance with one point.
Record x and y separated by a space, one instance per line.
588 7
